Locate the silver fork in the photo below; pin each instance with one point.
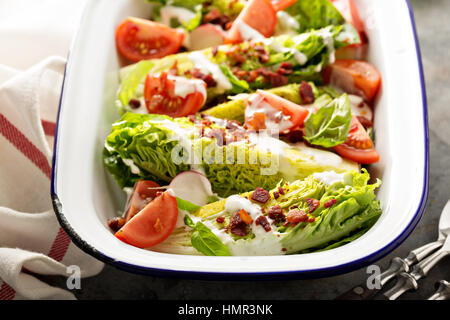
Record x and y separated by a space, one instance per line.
400 266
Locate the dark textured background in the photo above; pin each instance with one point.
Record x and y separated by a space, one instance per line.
433 28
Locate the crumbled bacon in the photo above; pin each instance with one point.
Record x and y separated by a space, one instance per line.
306 93
215 17
276 195
260 195
208 78
330 203
262 221
285 68
220 220
276 213
134 103
313 204
237 226
281 190
116 223
296 216
366 123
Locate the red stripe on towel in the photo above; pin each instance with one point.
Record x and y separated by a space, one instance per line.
6 292
21 142
49 128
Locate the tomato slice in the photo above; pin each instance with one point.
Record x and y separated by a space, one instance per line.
144 192
153 224
350 13
354 76
173 96
260 15
139 39
358 146
279 5
296 112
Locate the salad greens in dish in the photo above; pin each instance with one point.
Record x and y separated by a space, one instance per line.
244 128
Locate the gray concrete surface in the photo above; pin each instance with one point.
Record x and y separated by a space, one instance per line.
434 32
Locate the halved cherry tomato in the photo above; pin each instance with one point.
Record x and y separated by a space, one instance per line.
354 76
296 112
279 5
144 191
160 95
151 225
138 39
358 146
257 14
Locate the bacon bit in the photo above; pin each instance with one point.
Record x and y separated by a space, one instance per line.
208 78
296 135
262 221
134 103
158 225
116 223
281 190
313 204
296 216
245 217
283 249
312 219
285 68
306 93
260 195
366 123
218 134
276 213
215 17
276 195
329 203
237 226
238 57
220 219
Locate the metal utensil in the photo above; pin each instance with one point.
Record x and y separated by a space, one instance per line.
442 291
399 265
407 281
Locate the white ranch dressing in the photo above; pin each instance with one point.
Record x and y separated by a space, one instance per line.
201 62
185 86
182 15
277 47
247 32
263 244
287 23
256 104
134 168
329 177
359 108
329 43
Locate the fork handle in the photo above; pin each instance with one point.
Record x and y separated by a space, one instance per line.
421 269
422 252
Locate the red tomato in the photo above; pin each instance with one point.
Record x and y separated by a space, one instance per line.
257 14
160 96
350 14
279 5
139 39
153 224
296 112
354 76
358 146
144 192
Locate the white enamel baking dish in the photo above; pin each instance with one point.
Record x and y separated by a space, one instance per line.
85 196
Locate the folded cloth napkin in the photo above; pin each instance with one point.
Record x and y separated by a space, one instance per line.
31 240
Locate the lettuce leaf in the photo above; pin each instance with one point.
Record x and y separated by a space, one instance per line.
330 125
314 14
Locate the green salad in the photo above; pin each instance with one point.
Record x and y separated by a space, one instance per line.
244 128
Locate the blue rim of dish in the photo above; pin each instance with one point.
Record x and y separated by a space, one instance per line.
274 275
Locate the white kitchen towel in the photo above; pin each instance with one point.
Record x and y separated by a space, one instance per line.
31 240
